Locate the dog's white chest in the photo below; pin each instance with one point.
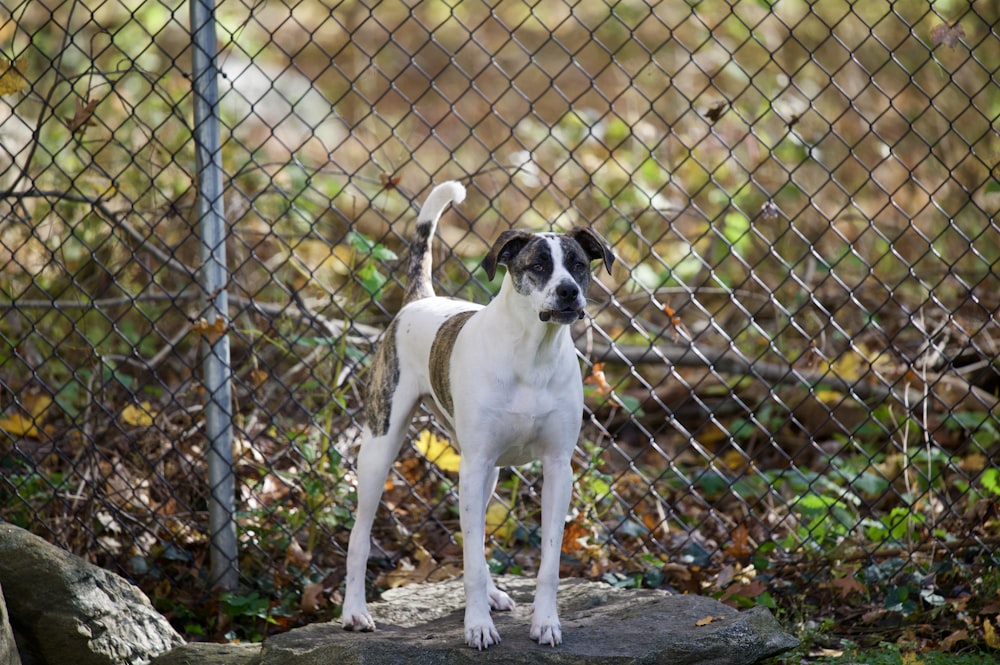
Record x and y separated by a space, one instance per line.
524 415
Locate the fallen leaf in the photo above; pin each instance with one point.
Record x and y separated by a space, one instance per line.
12 78
676 323
211 331
597 378
850 366
740 547
312 598
830 397
949 643
725 576
37 403
704 621
973 463
389 181
499 524
827 653
438 451
83 116
258 377
734 460
427 570
989 608
847 585
990 634
19 424
872 616
574 537
947 35
749 591
298 556
652 522
716 110
138 415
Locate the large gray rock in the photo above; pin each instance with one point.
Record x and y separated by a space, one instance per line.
601 625
8 649
65 610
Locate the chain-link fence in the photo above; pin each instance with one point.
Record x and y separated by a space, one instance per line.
792 368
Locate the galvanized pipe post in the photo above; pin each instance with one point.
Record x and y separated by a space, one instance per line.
224 573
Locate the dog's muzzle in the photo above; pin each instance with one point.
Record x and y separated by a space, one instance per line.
568 305
564 316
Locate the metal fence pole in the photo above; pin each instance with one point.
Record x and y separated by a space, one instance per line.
218 416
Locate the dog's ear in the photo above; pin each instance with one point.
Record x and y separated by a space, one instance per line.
594 245
507 246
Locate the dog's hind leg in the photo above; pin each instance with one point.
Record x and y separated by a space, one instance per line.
375 458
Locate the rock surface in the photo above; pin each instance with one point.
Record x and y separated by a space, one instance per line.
8 649
211 654
602 625
65 610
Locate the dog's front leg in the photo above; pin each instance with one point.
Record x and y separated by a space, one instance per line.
499 600
557 487
475 482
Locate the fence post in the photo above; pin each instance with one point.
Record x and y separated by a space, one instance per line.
224 573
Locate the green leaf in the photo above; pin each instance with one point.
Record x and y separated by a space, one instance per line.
736 228
991 480
899 600
630 404
371 278
368 246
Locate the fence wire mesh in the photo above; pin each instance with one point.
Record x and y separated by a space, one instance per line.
793 365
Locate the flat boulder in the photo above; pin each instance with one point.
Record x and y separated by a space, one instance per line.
66 610
601 625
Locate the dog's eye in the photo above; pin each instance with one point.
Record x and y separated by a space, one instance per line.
579 267
537 267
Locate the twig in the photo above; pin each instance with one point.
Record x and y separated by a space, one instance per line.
101 303
368 333
725 360
110 216
989 543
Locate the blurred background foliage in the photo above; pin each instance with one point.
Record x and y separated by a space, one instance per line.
791 375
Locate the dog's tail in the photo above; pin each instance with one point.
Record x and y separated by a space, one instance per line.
418 274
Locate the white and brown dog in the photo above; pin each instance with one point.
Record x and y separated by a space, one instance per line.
504 379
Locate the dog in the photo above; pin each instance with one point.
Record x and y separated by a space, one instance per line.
504 379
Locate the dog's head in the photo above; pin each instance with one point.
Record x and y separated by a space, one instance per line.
550 269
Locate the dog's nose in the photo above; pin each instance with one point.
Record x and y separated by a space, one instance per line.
567 291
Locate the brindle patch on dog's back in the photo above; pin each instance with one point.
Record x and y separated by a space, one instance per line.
440 359
384 379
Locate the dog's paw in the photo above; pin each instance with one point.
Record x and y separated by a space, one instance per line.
500 601
357 620
546 631
482 635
